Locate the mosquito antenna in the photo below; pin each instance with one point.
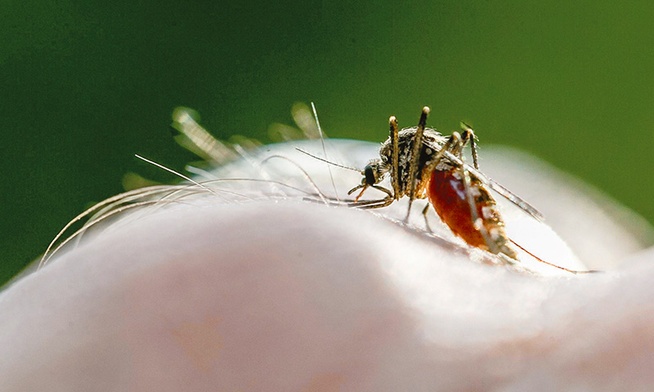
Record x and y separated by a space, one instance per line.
551 264
324 150
327 161
174 172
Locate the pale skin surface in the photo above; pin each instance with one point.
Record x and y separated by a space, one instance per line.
298 296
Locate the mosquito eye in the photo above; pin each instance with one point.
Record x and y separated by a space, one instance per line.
369 173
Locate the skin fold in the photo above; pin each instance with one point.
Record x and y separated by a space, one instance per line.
251 291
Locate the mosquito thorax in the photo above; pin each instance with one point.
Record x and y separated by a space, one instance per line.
432 142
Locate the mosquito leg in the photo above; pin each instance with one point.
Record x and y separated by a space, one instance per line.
476 220
415 158
425 211
443 152
552 264
367 204
469 135
382 189
372 204
395 157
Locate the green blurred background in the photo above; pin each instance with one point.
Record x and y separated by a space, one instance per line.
86 84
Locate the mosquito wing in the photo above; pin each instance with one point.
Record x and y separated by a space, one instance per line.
501 190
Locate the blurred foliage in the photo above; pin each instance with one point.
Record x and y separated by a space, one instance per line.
85 85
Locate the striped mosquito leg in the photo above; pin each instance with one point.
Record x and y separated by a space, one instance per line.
415 158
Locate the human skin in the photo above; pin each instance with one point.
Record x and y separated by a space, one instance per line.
290 295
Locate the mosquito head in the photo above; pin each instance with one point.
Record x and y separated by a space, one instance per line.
374 172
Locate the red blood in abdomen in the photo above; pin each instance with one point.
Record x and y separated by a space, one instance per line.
447 194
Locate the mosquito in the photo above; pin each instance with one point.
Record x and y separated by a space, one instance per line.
423 163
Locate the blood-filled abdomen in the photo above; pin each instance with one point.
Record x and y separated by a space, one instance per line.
447 194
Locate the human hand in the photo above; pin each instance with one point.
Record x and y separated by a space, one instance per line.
218 292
